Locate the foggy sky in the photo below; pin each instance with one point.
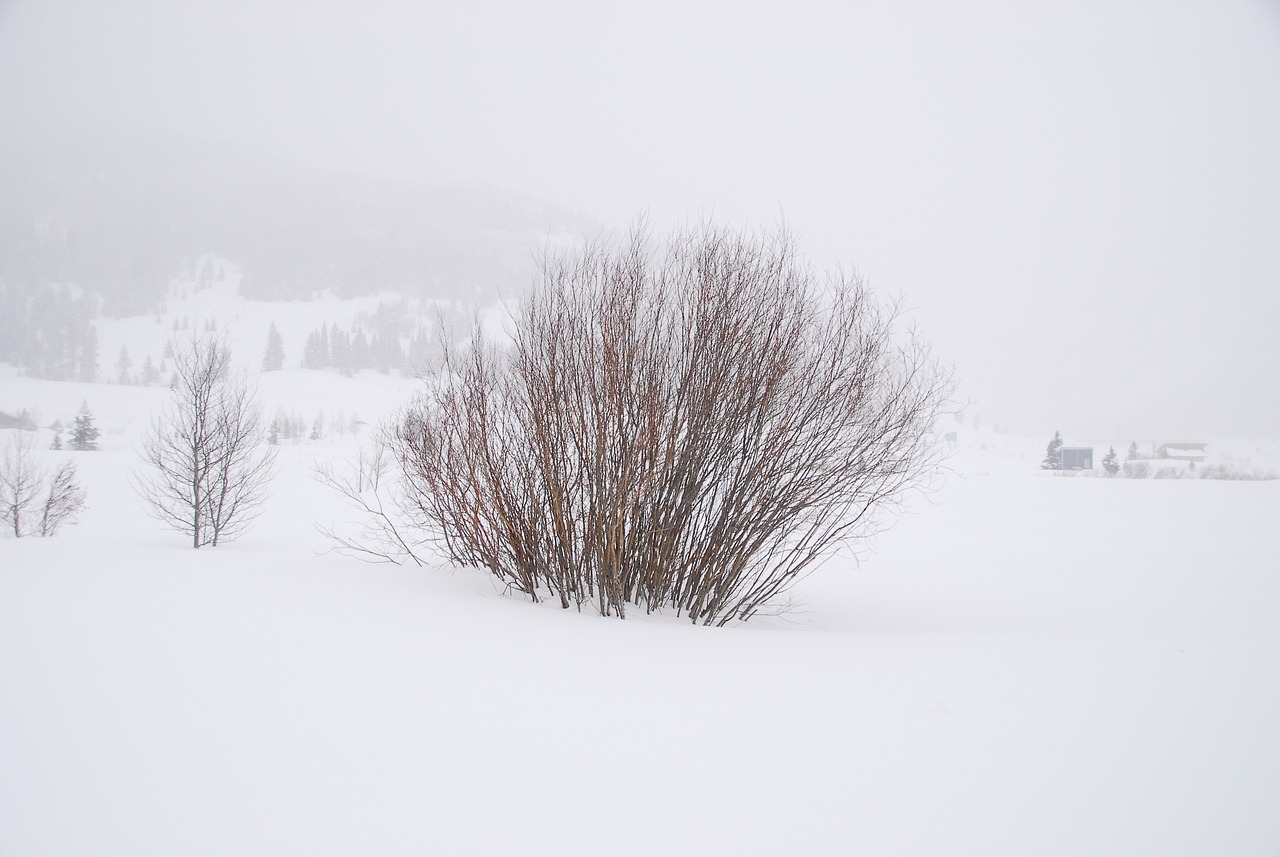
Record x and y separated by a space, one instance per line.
1080 201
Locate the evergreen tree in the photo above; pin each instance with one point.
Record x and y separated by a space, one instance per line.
273 358
150 374
57 441
387 353
340 351
1111 462
313 352
88 368
360 352
420 349
1132 455
1053 454
84 434
123 364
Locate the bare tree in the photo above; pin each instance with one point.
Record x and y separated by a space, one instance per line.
693 429
208 467
23 479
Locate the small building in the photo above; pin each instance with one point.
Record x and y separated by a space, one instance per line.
1077 457
1192 452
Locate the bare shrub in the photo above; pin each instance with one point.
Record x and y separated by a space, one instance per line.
1137 469
382 536
1233 471
692 429
208 468
64 500
23 481
1173 473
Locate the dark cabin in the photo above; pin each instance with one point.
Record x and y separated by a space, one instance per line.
1077 458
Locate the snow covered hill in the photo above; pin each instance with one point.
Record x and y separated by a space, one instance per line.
1025 664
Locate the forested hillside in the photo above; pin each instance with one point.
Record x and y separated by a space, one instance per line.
101 227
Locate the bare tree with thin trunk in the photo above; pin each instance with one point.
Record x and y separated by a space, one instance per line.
208 464
692 429
21 477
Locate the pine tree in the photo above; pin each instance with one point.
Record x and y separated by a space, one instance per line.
150 374
88 369
420 349
123 364
360 351
313 352
340 351
1053 454
273 358
1132 454
84 434
1111 462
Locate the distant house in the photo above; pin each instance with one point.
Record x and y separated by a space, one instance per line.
1195 453
1077 457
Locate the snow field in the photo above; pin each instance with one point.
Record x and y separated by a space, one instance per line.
1026 664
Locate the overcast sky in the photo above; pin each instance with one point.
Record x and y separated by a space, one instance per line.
1081 201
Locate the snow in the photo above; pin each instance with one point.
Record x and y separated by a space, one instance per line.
1025 664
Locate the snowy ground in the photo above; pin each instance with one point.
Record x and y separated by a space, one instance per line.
1027 664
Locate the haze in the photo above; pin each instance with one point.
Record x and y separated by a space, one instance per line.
1080 202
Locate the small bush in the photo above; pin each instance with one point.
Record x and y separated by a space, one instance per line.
1137 469
1227 470
1234 472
